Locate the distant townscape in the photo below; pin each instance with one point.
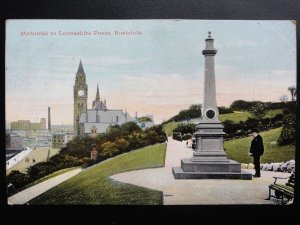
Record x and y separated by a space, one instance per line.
23 135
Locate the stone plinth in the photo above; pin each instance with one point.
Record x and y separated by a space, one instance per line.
180 174
188 165
209 159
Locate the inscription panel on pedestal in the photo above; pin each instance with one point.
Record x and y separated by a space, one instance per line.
210 144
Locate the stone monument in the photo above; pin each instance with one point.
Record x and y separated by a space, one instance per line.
209 159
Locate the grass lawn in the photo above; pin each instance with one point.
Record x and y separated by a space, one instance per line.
238 149
236 117
93 186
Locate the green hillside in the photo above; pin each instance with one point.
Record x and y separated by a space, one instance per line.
236 117
93 186
237 149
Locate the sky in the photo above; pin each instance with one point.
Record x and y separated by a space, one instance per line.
158 72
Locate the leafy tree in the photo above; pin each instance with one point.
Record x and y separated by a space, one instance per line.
79 146
239 105
129 127
258 110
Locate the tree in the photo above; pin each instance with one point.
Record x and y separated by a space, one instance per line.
241 105
292 89
258 110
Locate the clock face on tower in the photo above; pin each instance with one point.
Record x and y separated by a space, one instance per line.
80 92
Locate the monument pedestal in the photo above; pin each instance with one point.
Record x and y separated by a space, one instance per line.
209 160
210 170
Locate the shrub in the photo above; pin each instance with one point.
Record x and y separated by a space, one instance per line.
88 162
17 179
277 117
288 133
224 110
230 127
185 128
177 136
186 137
250 124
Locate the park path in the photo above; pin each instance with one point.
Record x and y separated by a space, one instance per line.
192 191
26 195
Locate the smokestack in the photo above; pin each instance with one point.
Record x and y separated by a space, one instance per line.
49 119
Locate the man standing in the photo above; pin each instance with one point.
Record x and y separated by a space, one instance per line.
256 150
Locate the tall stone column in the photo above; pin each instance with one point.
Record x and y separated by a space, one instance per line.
209 159
209 110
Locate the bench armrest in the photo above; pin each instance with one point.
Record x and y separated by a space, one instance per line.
279 178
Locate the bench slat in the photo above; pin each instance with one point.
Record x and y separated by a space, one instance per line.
282 188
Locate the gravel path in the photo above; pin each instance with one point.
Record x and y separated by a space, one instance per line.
26 195
189 192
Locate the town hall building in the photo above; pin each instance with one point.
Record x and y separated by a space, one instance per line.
98 119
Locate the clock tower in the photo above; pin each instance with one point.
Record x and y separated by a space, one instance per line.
80 97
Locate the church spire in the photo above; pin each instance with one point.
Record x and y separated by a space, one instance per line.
97 95
80 68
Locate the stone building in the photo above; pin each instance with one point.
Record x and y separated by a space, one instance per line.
96 120
27 125
60 139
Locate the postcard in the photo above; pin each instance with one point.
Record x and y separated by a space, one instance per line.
150 112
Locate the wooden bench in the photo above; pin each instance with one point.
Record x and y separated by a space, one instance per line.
284 192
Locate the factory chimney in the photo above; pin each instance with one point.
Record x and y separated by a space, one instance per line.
49 119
